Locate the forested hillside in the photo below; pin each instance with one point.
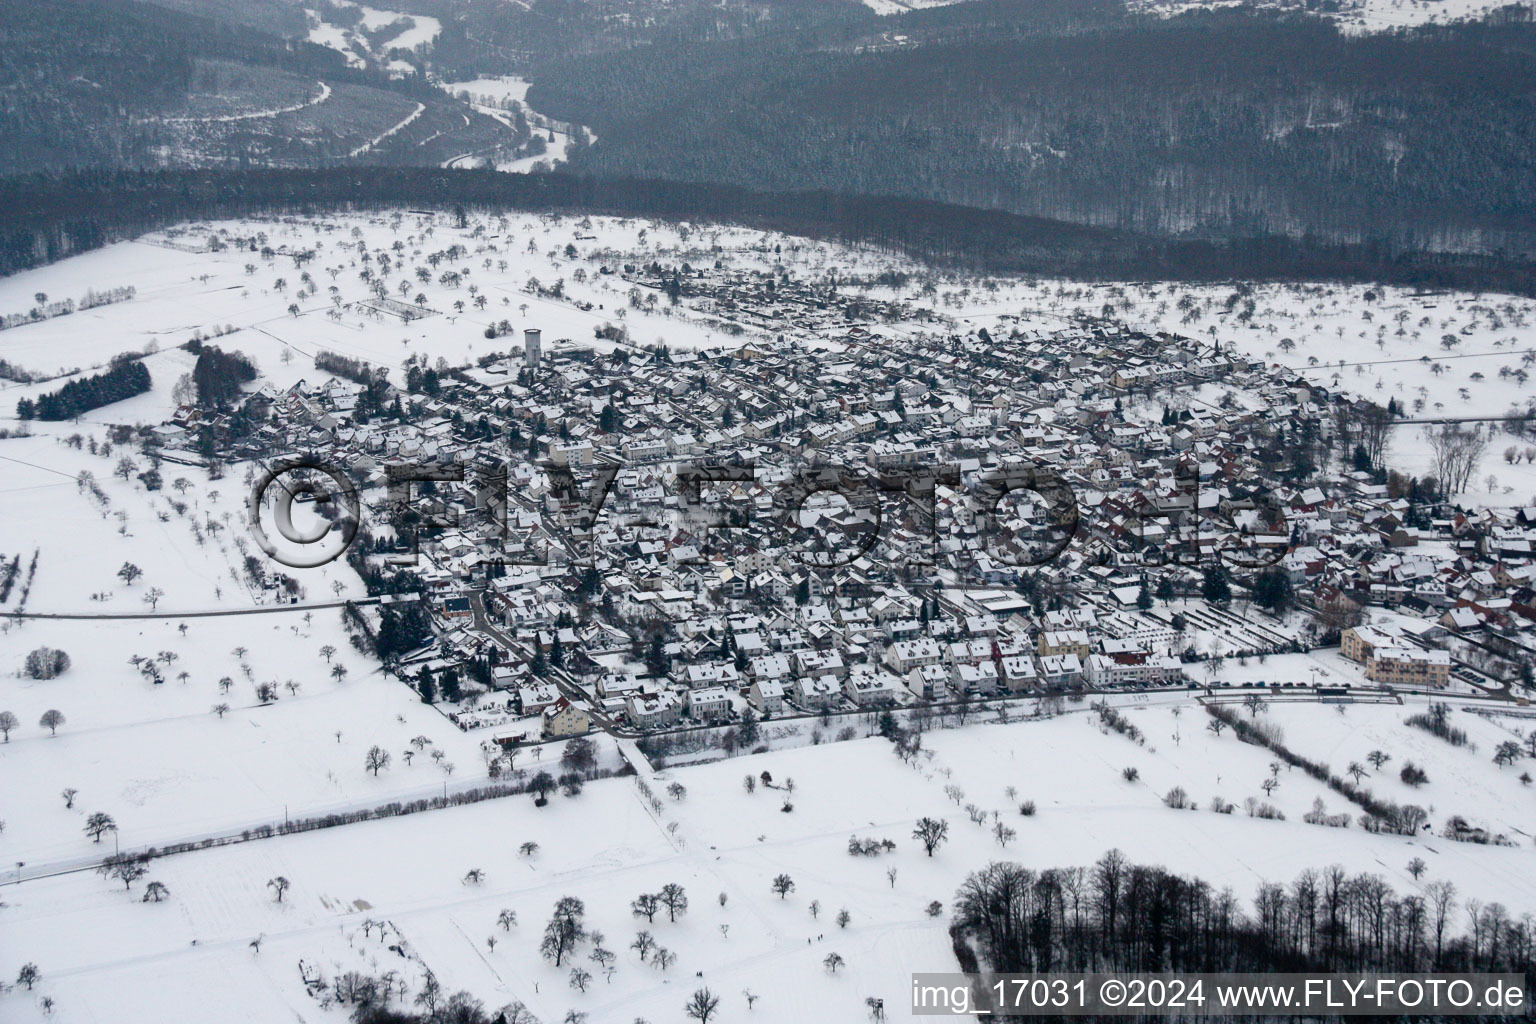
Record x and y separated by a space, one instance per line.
1209 124
118 83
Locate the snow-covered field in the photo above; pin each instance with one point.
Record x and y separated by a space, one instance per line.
495 97
1358 16
93 942
421 33
887 7
1355 16
355 47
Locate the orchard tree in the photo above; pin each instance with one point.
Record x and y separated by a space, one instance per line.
69 795
126 869
376 758
51 721
604 958
674 899
565 931
646 905
29 976
327 652
931 832
154 892
129 572
833 962
279 885
99 824
701 1007
783 885
8 721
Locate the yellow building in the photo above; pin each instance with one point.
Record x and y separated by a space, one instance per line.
562 718
1409 666
1055 642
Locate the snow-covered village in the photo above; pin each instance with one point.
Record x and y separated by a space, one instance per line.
621 678
641 511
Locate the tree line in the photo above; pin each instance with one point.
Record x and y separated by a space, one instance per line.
127 377
1117 915
44 218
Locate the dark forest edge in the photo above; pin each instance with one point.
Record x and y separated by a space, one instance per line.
45 218
1116 916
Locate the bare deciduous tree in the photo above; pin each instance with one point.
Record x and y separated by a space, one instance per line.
931 832
702 1005
376 758
1456 452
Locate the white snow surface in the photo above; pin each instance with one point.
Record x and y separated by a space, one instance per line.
97 944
